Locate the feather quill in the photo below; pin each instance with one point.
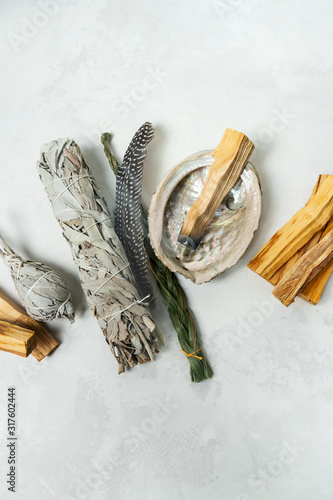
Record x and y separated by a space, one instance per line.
128 224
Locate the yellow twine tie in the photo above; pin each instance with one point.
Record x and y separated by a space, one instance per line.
192 354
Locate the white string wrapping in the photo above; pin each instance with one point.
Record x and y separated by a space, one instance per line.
126 308
104 270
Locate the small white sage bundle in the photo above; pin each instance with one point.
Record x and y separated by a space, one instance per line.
42 291
104 270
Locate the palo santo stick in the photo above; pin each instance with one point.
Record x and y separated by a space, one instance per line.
296 233
231 156
274 280
313 290
304 270
16 340
12 313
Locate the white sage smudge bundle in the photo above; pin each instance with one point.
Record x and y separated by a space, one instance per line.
103 267
128 223
42 291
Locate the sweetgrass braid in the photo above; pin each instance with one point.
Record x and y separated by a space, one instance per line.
182 320
173 296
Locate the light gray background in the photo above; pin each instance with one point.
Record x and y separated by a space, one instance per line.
261 429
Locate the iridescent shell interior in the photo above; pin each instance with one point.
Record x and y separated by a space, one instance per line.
226 238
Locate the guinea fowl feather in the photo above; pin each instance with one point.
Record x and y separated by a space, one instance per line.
128 223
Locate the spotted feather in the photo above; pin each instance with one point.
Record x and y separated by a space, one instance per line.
128 223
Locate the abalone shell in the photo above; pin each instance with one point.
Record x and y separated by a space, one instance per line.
226 238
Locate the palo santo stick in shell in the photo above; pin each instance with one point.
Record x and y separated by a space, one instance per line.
296 233
16 340
103 267
231 156
11 312
304 270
